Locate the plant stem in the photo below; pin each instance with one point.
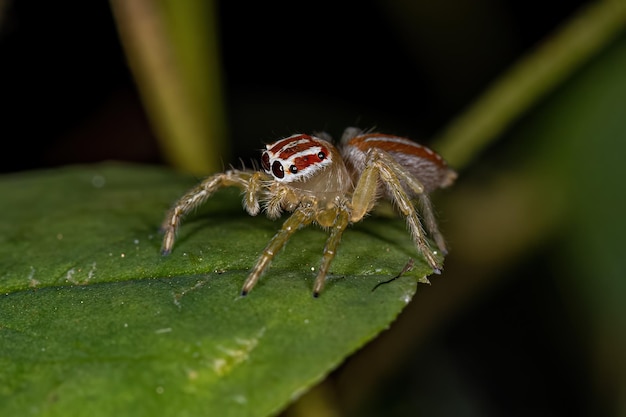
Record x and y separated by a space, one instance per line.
530 80
172 50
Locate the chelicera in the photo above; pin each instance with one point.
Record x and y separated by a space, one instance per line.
333 187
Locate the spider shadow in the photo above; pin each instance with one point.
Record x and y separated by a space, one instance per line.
209 218
222 211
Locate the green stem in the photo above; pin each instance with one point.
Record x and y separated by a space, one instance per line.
173 52
531 79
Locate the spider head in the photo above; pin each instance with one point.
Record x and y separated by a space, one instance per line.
296 158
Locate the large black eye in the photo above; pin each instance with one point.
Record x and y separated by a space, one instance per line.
277 169
293 169
321 155
265 161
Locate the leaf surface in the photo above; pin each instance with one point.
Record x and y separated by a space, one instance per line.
93 321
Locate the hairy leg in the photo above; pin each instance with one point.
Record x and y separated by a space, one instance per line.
197 195
300 217
381 165
431 223
340 224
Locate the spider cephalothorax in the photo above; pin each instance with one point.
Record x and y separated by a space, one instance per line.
318 183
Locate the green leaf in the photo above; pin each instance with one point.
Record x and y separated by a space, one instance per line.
93 321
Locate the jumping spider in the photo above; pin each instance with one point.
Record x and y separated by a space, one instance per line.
333 187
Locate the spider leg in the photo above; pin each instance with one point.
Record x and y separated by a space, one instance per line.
252 189
428 213
274 204
431 223
381 165
249 181
340 224
300 217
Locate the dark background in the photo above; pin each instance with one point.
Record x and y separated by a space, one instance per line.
68 97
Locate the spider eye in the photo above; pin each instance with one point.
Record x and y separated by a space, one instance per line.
293 169
265 161
277 169
321 155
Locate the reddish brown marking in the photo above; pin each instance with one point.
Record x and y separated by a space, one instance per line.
282 143
292 150
306 161
396 144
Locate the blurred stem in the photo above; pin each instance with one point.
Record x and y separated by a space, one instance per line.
531 79
172 50
512 214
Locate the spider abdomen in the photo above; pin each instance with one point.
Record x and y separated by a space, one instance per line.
428 167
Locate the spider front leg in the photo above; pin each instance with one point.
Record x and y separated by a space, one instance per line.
302 216
380 165
249 181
